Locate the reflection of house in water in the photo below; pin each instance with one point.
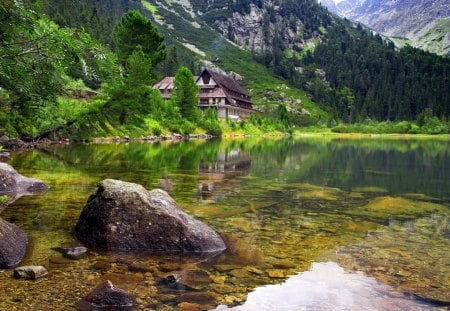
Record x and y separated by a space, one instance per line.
218 178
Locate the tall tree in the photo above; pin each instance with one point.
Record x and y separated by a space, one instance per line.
135 29
186 94
171 64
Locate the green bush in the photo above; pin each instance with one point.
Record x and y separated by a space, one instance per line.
187 127
433 125
154 126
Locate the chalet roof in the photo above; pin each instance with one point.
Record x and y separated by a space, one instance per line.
165 84
227 82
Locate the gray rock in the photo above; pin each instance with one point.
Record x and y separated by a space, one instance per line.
4 156
75 252
187 279
13 244
106 297
30 272
121 216
13 182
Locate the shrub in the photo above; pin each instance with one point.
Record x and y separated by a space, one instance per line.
154 126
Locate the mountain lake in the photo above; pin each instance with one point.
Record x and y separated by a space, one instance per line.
310 223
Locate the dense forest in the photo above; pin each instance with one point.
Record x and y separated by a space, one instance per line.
53 77
355 74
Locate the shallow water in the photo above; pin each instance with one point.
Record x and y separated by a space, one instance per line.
376 206
327 286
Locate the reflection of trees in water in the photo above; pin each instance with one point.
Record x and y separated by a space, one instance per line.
219 177
212 168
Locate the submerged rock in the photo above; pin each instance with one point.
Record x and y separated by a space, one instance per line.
15 185
13 244
122 216
75 252
188 279
239 252
314 192
30 272
4 156
384 207
106 297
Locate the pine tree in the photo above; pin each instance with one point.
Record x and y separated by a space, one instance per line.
135 29
186 94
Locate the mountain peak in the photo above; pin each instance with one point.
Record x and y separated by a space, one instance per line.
424 24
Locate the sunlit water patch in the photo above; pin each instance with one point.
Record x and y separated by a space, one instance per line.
327 286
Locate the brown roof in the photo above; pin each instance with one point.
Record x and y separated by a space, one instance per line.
165 84
227 82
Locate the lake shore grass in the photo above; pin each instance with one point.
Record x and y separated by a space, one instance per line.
326 132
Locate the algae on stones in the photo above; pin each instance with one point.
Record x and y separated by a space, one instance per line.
308 191
384 207
369 189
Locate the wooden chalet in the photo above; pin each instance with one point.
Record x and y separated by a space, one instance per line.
217 91
165 86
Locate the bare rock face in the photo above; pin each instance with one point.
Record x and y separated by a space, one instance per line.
12 182
106 297
122 216
13 244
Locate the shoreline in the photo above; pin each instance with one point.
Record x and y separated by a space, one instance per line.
15 144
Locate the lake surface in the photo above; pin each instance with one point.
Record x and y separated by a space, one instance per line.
311 224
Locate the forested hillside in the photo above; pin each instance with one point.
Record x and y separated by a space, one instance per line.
424 24
351 72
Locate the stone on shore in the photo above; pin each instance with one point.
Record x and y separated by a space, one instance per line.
13 244
122 216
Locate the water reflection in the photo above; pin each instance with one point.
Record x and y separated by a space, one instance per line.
218 177
327 286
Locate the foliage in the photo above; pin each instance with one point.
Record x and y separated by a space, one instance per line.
185 94
432 125
210 122
134 30
154 126
36 59
3 198
384 84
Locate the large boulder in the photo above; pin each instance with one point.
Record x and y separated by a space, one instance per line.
13 244
122 216
12 182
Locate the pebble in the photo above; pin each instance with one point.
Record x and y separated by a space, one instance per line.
30 272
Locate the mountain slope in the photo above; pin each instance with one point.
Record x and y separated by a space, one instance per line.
283 47
425 23
188 24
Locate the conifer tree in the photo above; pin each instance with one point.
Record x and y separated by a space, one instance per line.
135 29
186 94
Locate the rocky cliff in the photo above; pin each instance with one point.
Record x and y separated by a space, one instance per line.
425 24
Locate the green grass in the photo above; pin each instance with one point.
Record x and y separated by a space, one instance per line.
431 127
152 8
